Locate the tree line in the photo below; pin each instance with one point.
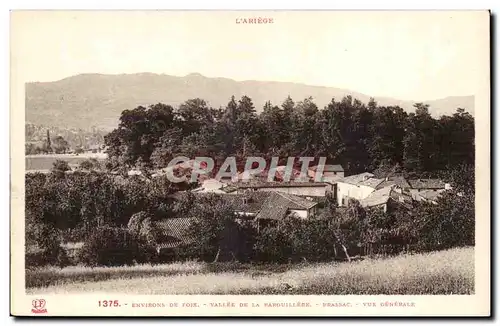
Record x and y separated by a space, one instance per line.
361 137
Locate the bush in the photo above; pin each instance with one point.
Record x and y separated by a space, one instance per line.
115 247
273 245
90 164
450 223
295 239
213 230
60 166
43 247
55 256
312 240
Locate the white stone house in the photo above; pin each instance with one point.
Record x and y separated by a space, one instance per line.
371 191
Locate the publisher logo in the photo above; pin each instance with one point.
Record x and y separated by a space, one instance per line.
38 306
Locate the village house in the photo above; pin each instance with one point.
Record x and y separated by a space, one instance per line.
305 189
427 189
386 198
173 233
278 205
253 204
211 186
263 207
357 186
331 173
371 191
429 196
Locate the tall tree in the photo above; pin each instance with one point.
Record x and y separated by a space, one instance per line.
421 141
60 145
139 132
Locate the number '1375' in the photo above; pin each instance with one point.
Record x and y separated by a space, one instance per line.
109 303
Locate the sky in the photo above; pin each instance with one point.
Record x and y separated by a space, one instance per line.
404 55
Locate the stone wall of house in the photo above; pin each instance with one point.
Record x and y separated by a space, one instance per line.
347 190
302 213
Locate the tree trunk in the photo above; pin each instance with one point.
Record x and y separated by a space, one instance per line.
345 251
217 256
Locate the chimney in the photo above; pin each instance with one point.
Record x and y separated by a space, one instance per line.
447 186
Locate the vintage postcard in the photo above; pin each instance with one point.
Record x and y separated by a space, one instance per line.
235 163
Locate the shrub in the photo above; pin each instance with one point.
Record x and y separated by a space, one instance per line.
213 229
43 247
312 240
448 224
295 239
60 166
90 164
273 244
55 256
115 247
135 223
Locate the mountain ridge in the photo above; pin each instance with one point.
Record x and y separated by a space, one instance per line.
93 99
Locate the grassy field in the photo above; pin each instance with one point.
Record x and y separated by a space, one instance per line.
44 162
445 272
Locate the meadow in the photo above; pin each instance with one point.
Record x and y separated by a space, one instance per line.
444 272
45 162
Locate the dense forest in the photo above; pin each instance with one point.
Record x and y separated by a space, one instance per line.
360 137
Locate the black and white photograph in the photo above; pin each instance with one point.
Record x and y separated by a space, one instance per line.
267 153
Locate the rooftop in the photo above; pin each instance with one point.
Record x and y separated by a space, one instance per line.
329 168
280 184
363 179
267 205
428 195
377 197
173 231
278 204
383 195
427 184
394 180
